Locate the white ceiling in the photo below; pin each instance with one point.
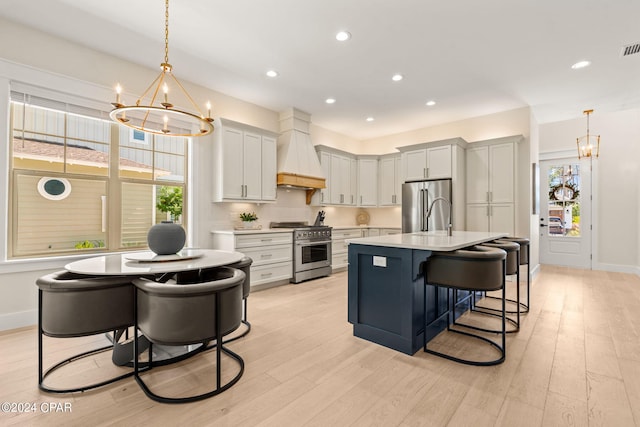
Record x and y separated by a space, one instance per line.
471 57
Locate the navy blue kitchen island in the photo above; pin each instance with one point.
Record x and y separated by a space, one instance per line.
386 286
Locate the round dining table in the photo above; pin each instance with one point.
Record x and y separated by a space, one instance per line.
146 262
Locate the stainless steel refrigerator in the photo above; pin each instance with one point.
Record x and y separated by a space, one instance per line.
418 197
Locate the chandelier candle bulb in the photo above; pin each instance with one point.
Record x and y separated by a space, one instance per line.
165 127
165 88
208 109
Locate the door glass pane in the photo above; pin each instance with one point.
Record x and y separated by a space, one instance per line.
564 200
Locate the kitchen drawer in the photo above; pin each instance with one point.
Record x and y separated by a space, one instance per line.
339 246
348 233
262 239
388 231
271 272
339 260
269 254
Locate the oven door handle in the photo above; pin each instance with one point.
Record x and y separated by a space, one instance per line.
321 242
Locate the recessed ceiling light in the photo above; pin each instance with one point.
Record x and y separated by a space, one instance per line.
370 119
397 77
272 73
343 36
431 103
581 64
330 101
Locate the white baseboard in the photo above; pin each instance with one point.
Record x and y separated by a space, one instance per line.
617 268
535 270
18 320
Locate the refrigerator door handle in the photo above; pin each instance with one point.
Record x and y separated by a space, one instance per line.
423 222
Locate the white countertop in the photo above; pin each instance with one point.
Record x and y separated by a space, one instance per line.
349 227
429 240
253 231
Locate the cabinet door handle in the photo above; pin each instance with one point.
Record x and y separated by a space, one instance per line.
393 198
342 198
427 173
360 199
352 198
487 197
491 196
266 255
424 172
265 274
266 240
488 214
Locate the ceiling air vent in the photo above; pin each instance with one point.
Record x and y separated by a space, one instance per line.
630 49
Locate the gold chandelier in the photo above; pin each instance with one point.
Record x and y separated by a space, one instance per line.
585 147
162 118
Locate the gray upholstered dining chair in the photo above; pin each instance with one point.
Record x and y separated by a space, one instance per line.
73 305
473 269
190 311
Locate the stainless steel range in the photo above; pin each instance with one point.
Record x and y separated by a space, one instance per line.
311 250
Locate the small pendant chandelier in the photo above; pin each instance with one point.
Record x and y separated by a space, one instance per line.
162 118
585 146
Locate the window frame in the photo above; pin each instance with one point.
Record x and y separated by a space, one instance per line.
113 182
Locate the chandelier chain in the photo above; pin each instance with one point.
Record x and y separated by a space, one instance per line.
166 32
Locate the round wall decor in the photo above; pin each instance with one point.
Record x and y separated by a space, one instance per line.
54 188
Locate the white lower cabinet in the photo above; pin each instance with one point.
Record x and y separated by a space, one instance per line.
339 247
272 253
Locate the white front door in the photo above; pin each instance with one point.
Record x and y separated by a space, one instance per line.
565 212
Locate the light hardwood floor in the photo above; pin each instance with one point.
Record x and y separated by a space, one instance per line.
575 361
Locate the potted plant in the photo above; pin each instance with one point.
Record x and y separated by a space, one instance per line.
248 218
170 200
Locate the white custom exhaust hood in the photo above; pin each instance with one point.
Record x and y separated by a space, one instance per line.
298 164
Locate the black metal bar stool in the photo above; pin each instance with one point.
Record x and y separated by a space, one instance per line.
472 269
512 267
524 259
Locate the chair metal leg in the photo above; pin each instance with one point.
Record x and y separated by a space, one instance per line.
42 375
245 322
219 348
501 348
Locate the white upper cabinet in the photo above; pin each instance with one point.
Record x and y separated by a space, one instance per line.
490 173
325 163
269 168
244 163
390 180
439 162
340 190
428 161
340 172
415 164
367 182
252 166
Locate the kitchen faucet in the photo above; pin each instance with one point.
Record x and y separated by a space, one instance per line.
433 202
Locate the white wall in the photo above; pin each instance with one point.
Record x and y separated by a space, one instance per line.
617 178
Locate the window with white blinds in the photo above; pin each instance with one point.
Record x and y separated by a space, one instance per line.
80 182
